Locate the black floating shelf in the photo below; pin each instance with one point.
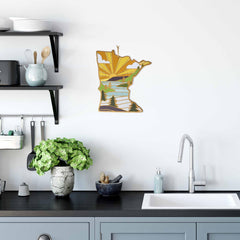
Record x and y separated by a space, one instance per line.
26 87
54 95
41 33
54 40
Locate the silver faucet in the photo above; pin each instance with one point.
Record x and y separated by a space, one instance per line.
191 178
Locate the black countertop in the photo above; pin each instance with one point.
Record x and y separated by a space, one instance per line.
90 204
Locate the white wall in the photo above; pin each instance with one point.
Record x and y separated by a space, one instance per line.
191 87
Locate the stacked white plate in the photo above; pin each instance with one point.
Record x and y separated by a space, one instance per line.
30 25
4 24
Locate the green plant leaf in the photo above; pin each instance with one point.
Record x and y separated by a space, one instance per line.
49 153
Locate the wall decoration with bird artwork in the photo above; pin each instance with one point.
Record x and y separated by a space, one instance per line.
116 75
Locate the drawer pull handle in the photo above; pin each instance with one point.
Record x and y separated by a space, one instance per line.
44 237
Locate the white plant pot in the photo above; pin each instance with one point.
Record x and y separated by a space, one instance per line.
62 180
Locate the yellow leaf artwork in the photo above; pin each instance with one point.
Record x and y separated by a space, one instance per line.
116 75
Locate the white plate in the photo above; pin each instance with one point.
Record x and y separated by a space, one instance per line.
2 29
30 25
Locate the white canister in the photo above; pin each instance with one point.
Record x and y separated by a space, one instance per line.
23 190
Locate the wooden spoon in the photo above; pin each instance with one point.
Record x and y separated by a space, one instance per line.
45 53
35 57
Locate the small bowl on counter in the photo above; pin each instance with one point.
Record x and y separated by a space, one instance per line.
108 189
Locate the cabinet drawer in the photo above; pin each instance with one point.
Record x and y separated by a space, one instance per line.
146 230
218 231
32 230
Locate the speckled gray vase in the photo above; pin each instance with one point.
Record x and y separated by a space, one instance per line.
62 180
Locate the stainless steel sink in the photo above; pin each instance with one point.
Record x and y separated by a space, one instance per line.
191 201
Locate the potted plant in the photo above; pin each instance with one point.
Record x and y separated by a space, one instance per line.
61 156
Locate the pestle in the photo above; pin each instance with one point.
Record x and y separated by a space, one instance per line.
116 179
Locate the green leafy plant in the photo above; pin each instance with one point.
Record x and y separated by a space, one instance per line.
60 152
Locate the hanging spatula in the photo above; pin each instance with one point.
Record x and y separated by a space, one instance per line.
32 154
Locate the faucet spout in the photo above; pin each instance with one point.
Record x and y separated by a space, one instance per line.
181 148
191 177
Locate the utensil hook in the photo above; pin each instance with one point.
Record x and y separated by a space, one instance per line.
22 124
0 124
42 127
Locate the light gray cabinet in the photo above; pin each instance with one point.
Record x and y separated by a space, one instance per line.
148 230
218 231
120 228
56 228
167 228
143 228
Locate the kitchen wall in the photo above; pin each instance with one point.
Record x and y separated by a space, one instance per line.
192 86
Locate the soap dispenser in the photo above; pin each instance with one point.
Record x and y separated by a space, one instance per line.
158 182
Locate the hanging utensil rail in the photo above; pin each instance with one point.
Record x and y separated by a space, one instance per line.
27 115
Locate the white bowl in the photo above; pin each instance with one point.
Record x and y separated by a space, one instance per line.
5 23
30 25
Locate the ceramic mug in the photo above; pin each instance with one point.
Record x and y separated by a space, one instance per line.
36 75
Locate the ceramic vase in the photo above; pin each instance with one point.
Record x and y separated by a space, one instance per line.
36 75
62 180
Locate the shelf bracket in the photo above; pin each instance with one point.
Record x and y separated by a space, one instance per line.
54 95
54 40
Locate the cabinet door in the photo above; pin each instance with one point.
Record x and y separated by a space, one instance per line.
218 231
148 231
32 231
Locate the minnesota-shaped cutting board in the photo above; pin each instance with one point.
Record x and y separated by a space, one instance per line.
116 75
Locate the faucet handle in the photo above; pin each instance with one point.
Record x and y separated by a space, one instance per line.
200 183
